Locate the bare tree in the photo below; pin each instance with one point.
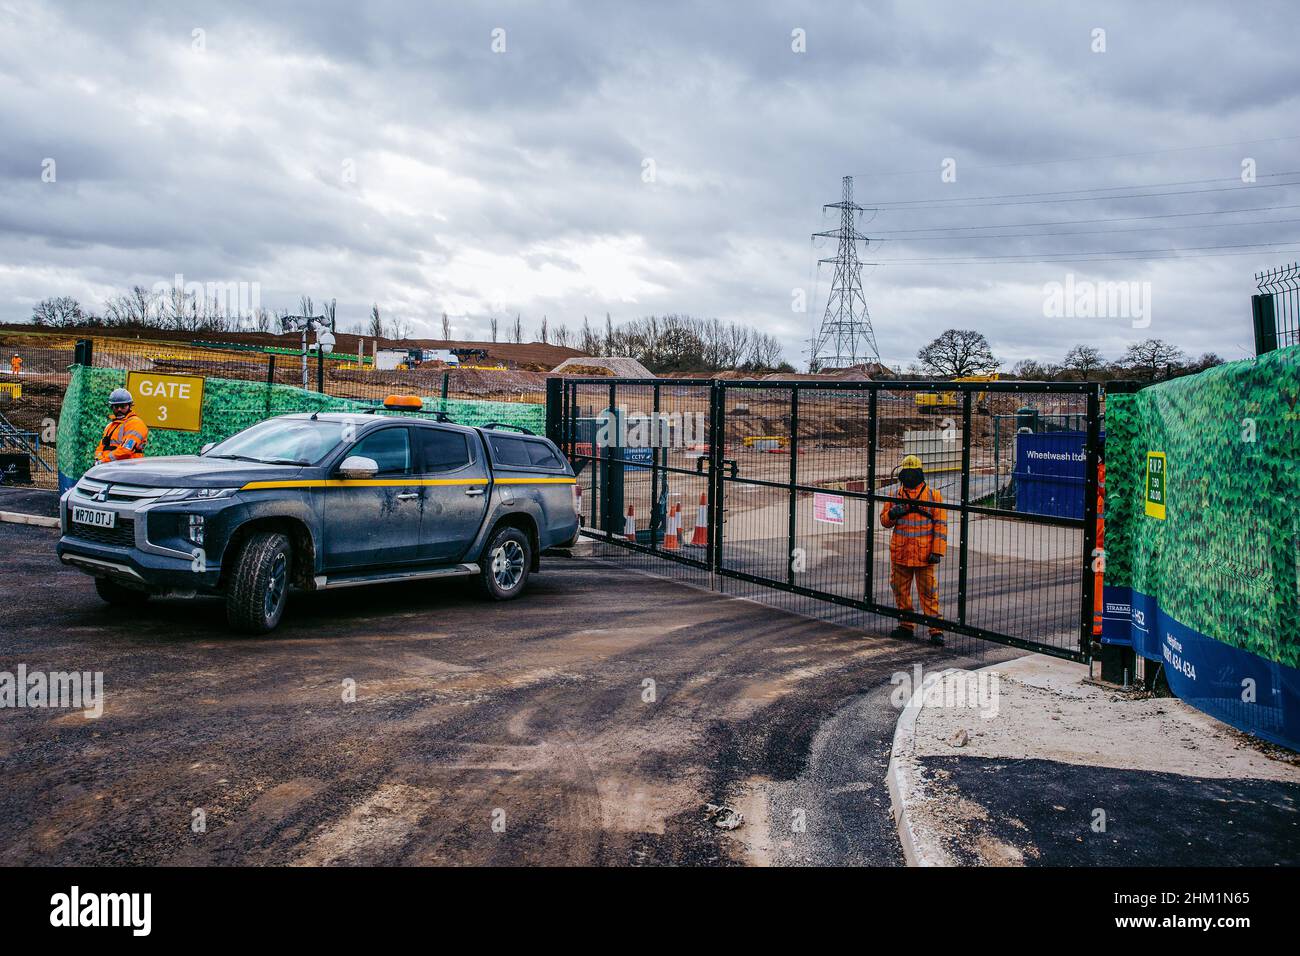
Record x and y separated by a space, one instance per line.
589 343
562 336
764 352
517 332
1032 370
376 323
958 352
492 326
446 328
400 328
1149 358
542 331
1083 360
61 310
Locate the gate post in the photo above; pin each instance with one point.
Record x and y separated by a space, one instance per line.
717 450
554 401
869 586
1261 310
794 480
964 516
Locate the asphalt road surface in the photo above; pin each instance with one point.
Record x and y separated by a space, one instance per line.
588 722
1153 819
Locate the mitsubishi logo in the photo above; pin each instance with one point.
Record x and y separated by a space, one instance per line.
102 494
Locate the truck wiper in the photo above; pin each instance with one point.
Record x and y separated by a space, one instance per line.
263 461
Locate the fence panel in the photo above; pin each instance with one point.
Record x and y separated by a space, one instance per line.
796 475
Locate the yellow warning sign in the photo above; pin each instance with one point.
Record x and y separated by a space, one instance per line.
167 401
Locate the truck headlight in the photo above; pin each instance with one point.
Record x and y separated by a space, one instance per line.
197 494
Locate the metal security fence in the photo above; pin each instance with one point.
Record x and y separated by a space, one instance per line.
770 488
1275 310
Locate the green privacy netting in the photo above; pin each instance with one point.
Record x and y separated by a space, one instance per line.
231 405
1225 560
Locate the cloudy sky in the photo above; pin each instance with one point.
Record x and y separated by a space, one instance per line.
571 160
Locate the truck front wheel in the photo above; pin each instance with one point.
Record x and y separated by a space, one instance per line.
258 587
505 564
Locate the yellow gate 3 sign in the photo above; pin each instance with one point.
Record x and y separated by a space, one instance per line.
1156 485
167 401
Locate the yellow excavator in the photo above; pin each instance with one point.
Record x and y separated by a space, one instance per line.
949 403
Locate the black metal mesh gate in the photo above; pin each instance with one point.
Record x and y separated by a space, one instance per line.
760 486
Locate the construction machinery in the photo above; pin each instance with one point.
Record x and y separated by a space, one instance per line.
949 402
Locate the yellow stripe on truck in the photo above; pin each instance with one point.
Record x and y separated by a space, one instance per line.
399 482
536 481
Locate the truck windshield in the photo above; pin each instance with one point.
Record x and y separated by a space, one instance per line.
283 441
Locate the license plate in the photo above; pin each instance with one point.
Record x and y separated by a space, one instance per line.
94 517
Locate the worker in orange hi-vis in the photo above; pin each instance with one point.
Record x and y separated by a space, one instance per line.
919 542
1099 556
16 365
125 434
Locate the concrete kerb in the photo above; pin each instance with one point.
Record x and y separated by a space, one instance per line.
903 777
904 780
17 517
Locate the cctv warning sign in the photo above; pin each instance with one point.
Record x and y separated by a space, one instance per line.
167 401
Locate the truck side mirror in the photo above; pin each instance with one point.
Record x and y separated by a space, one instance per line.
355 466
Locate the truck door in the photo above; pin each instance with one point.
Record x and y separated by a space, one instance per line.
375 522
454 476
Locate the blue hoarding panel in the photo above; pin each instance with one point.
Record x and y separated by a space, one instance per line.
1049 473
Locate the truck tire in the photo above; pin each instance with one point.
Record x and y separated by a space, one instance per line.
119 595
258 587
505 565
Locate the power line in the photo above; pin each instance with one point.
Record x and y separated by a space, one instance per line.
1035 202
1094 189
1083 256
983 262
1099 232
1082 222
929 171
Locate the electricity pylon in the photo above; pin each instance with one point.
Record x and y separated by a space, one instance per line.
846 337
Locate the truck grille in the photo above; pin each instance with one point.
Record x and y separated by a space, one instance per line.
122 536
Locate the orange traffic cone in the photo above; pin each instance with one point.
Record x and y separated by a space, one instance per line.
672 535
629 525
701 537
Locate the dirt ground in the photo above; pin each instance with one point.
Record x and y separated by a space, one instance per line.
590 721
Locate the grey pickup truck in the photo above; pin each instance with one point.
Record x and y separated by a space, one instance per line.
322 501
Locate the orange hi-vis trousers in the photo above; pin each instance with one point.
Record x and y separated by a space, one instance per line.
901 577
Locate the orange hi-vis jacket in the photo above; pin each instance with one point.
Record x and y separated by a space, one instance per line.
919 533
123 438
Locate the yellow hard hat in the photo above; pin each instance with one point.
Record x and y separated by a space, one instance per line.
911 461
